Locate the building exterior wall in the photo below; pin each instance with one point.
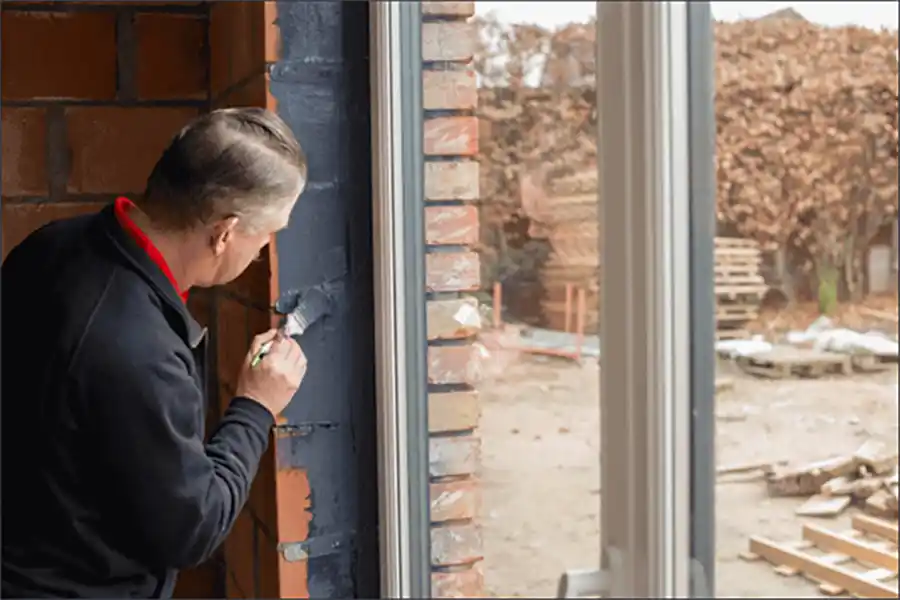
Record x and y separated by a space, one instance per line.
80 128
326 470
243 41
91 94
452 268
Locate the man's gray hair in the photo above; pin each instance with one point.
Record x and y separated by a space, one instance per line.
231 162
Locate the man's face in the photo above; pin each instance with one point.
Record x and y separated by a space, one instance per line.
235 246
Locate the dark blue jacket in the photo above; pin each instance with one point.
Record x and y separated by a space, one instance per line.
108 486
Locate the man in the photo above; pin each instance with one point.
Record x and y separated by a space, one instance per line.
108 486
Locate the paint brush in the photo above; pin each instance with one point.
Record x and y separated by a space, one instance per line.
313 305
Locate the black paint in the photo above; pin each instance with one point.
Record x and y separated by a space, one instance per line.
321 84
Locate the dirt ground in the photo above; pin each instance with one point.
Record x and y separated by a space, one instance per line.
541 468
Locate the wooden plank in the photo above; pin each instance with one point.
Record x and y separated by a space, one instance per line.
878 314
875 456
740 290
748 467
875 526
861 552
779 554
724 384
823 506
732 334
879 574
721 241
721 251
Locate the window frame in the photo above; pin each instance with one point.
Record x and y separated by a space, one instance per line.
656 138
399 263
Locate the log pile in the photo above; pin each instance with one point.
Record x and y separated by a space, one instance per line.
867 479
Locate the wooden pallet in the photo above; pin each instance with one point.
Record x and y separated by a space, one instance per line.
732 312
870 547
732 334
742 290
735 242
871 363
781 363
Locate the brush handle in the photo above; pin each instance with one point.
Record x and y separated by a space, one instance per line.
263 350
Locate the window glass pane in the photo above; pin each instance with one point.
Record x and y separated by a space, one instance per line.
806 291
512 223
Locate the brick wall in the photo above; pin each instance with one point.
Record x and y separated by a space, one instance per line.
90 97
242 42
92 92
452 268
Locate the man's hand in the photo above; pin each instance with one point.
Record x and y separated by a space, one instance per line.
274 379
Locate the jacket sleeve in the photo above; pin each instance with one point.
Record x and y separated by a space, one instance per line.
174 498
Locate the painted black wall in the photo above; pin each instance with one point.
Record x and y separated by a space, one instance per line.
321 84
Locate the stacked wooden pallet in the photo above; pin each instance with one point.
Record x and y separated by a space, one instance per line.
565 213
739 286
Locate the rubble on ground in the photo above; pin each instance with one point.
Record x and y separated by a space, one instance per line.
867 479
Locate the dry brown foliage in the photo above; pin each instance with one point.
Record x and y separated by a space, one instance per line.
806 143
807 137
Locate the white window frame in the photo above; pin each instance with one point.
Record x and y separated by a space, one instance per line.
399 264
655 125
656 138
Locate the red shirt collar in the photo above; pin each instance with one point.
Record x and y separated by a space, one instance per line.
122 207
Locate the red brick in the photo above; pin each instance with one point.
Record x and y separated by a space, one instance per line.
293 578
448 136
454 500
451 225
262 501
58 55
237 44
453 411
114 149
452 271
453 455
456 545
466 582
231 339
449 90
449 40
455 364
24 151
269 558
253 92
451 180
171 61
231 587
271 32
452 319
19 220
293 501
254 283
197 582
449 9
239 547
260 321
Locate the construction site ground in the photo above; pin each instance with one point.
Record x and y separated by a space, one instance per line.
541 476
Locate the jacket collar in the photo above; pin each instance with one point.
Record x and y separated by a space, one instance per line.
124 245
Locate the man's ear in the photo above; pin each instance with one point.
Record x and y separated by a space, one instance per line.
222 234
